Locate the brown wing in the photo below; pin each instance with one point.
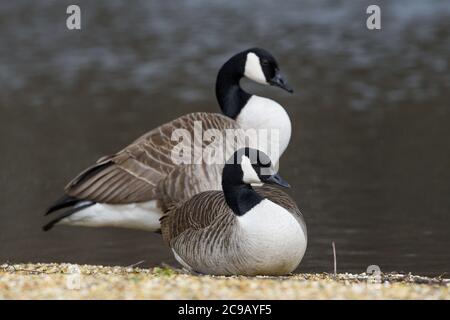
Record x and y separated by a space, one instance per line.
209 208
198 213
132 175
184 182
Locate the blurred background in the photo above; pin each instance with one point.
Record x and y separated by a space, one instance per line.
369 159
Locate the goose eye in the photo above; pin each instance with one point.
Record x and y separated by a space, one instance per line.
265 62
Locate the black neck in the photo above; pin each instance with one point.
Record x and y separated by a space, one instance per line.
229 93
239 196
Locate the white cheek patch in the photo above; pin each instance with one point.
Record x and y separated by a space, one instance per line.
253 69
250 175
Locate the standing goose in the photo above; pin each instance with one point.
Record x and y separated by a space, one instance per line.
127 189
241 230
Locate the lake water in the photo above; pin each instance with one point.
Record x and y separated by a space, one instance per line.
369 159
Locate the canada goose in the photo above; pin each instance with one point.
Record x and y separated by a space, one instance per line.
127 189
241 230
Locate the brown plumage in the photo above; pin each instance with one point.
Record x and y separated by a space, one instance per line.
142 179
133 174
202 231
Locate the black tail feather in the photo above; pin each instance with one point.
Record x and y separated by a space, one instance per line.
63 202
67 213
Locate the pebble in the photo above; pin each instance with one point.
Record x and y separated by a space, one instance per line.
59 281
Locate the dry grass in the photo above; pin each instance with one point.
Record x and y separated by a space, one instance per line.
58 281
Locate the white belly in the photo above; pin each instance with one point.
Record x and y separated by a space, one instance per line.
144 216
272 238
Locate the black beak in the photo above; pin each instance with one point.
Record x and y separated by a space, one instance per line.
278 81
276 179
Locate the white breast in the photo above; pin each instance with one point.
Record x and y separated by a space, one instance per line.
263 113
273 239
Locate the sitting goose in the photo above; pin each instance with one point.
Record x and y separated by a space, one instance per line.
127 189
240 230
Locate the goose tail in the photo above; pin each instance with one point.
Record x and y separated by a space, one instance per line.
86 213
72 205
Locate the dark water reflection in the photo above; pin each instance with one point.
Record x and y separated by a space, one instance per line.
369 157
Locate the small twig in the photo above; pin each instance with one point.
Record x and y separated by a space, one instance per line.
134 265
334 257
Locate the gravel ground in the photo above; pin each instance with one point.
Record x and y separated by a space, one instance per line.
68 281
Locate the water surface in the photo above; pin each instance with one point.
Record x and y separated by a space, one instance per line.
370 152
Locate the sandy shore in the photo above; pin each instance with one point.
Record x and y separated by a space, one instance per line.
67 281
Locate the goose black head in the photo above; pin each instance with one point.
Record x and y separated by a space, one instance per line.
261 66
255 64
250 166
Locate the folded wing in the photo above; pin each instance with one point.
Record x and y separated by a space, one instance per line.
133 174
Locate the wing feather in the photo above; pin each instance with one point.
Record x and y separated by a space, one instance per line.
133 174
207 208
